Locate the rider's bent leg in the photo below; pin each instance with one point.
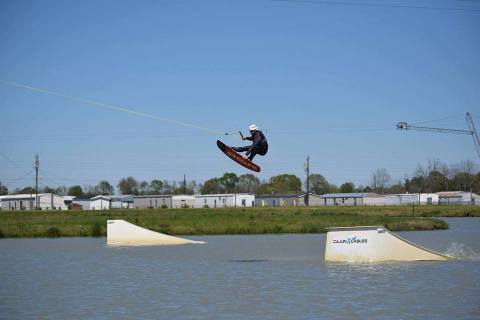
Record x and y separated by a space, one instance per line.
240 149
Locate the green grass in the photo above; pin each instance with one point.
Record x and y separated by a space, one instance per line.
406 210
228 221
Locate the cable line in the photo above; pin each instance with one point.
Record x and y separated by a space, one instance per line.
363 4
113 107
20 177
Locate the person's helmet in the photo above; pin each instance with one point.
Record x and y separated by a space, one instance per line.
253 127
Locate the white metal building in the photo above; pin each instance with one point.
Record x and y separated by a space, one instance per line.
458 197
374 200
286 200
345 199
224 200
46 201
400 199
428 198
183 201
152 201
1 197
100 203
84 202
121 202
411 198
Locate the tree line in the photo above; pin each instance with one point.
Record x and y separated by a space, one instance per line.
434 176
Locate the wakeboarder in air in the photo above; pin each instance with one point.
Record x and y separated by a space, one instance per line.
259 146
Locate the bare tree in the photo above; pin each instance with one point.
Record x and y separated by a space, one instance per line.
89 190
380 178
423 175
446 172
454 172
433 165
468 169
422 179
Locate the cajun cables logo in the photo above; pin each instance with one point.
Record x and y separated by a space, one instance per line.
351 240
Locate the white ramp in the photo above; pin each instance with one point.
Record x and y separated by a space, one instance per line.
373 244
123 233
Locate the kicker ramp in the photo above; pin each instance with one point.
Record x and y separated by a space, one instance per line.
373 244
123 233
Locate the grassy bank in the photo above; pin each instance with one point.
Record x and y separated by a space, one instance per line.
226 221
406 210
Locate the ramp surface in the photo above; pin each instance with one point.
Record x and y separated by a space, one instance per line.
123 233
374 244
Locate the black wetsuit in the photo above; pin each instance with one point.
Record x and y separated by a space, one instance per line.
259 146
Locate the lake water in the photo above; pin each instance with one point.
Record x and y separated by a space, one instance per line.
237 277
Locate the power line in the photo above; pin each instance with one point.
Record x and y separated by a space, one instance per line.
9 160
456 117
380 5
22 177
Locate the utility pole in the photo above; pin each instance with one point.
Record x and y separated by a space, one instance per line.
307 170
184 184
37 166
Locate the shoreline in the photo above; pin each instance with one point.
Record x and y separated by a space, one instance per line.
228 221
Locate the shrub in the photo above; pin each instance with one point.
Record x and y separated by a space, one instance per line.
206 206
1 234
164 206
277 229
53 232
96 229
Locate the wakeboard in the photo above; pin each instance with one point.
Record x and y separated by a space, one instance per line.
238 158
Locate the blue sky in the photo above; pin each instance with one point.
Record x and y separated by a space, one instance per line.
329 81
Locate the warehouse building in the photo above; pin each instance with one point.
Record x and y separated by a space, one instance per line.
76 203
314 200
183 201
345 199
458 197
1 197
293 200
411 198
373 199
224 200
100 203
401 199
152 201
111 202
121 202
84 203
46 201
289 200
428 198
